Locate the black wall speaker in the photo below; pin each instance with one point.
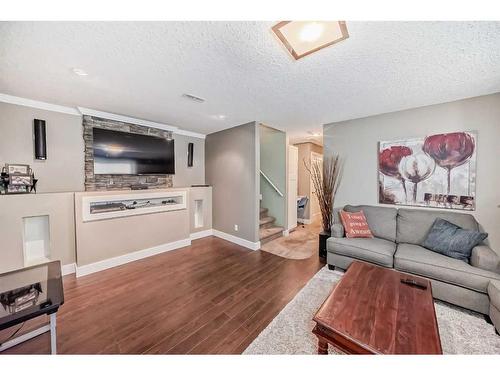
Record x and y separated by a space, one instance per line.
40 139
190 154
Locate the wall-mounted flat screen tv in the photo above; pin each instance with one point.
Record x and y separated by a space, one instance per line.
118 152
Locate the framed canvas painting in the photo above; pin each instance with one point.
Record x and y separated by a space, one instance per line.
435 171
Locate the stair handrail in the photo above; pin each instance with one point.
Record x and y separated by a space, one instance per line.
271 183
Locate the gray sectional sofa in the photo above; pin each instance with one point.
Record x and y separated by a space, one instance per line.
398 234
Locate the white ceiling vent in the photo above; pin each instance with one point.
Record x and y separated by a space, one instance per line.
193 98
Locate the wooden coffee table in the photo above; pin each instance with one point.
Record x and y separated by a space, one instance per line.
370 311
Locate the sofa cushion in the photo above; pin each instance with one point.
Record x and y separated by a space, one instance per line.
413 225
420 261
451 240
381 220
375 250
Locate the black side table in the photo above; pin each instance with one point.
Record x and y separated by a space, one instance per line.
28 293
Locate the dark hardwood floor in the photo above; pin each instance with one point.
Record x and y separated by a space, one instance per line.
211 297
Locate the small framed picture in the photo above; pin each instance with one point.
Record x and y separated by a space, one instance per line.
18 169
15 179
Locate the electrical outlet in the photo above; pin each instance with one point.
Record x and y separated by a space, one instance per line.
236 227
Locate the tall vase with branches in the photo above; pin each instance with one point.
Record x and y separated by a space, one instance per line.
325 176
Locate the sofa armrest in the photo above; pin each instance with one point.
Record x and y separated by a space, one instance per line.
337 230
485 258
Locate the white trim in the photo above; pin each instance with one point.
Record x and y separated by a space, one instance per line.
79 111
137 121
188 133
201 234
304 221
121 118
237 240
127 258
37 104
68 269
286 233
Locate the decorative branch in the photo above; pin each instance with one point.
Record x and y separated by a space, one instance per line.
326 177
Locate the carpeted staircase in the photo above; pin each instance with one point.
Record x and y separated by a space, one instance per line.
268 231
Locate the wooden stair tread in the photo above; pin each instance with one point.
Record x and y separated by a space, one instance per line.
266 220
265 233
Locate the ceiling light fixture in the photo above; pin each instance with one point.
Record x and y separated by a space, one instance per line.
311 32
314 134
302 38
80 72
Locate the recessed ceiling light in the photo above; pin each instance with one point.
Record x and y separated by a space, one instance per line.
302 38
80 72
217 117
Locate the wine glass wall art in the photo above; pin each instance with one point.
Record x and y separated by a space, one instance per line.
435 171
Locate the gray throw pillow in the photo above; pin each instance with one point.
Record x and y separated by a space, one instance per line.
449 239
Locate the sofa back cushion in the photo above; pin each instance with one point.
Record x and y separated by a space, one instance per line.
381 220
413 225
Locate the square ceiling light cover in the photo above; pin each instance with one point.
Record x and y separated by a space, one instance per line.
302 38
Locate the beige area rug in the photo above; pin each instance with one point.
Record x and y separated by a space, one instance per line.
461 331
302 243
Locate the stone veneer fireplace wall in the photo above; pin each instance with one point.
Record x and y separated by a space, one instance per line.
119 182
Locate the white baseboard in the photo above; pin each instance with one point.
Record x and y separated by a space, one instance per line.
304 221
127 258
237 240
286 233
201 234
68 269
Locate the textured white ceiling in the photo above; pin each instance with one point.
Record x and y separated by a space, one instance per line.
141 70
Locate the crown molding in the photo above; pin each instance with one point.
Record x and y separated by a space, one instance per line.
37 104
190 134
79 111
133 120
130 120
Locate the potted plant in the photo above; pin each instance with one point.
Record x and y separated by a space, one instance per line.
326 176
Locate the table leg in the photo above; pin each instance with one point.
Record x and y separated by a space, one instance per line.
53 334
322 346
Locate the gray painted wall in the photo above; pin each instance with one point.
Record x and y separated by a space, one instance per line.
273 164
357 142
232 167
63 169
184 175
